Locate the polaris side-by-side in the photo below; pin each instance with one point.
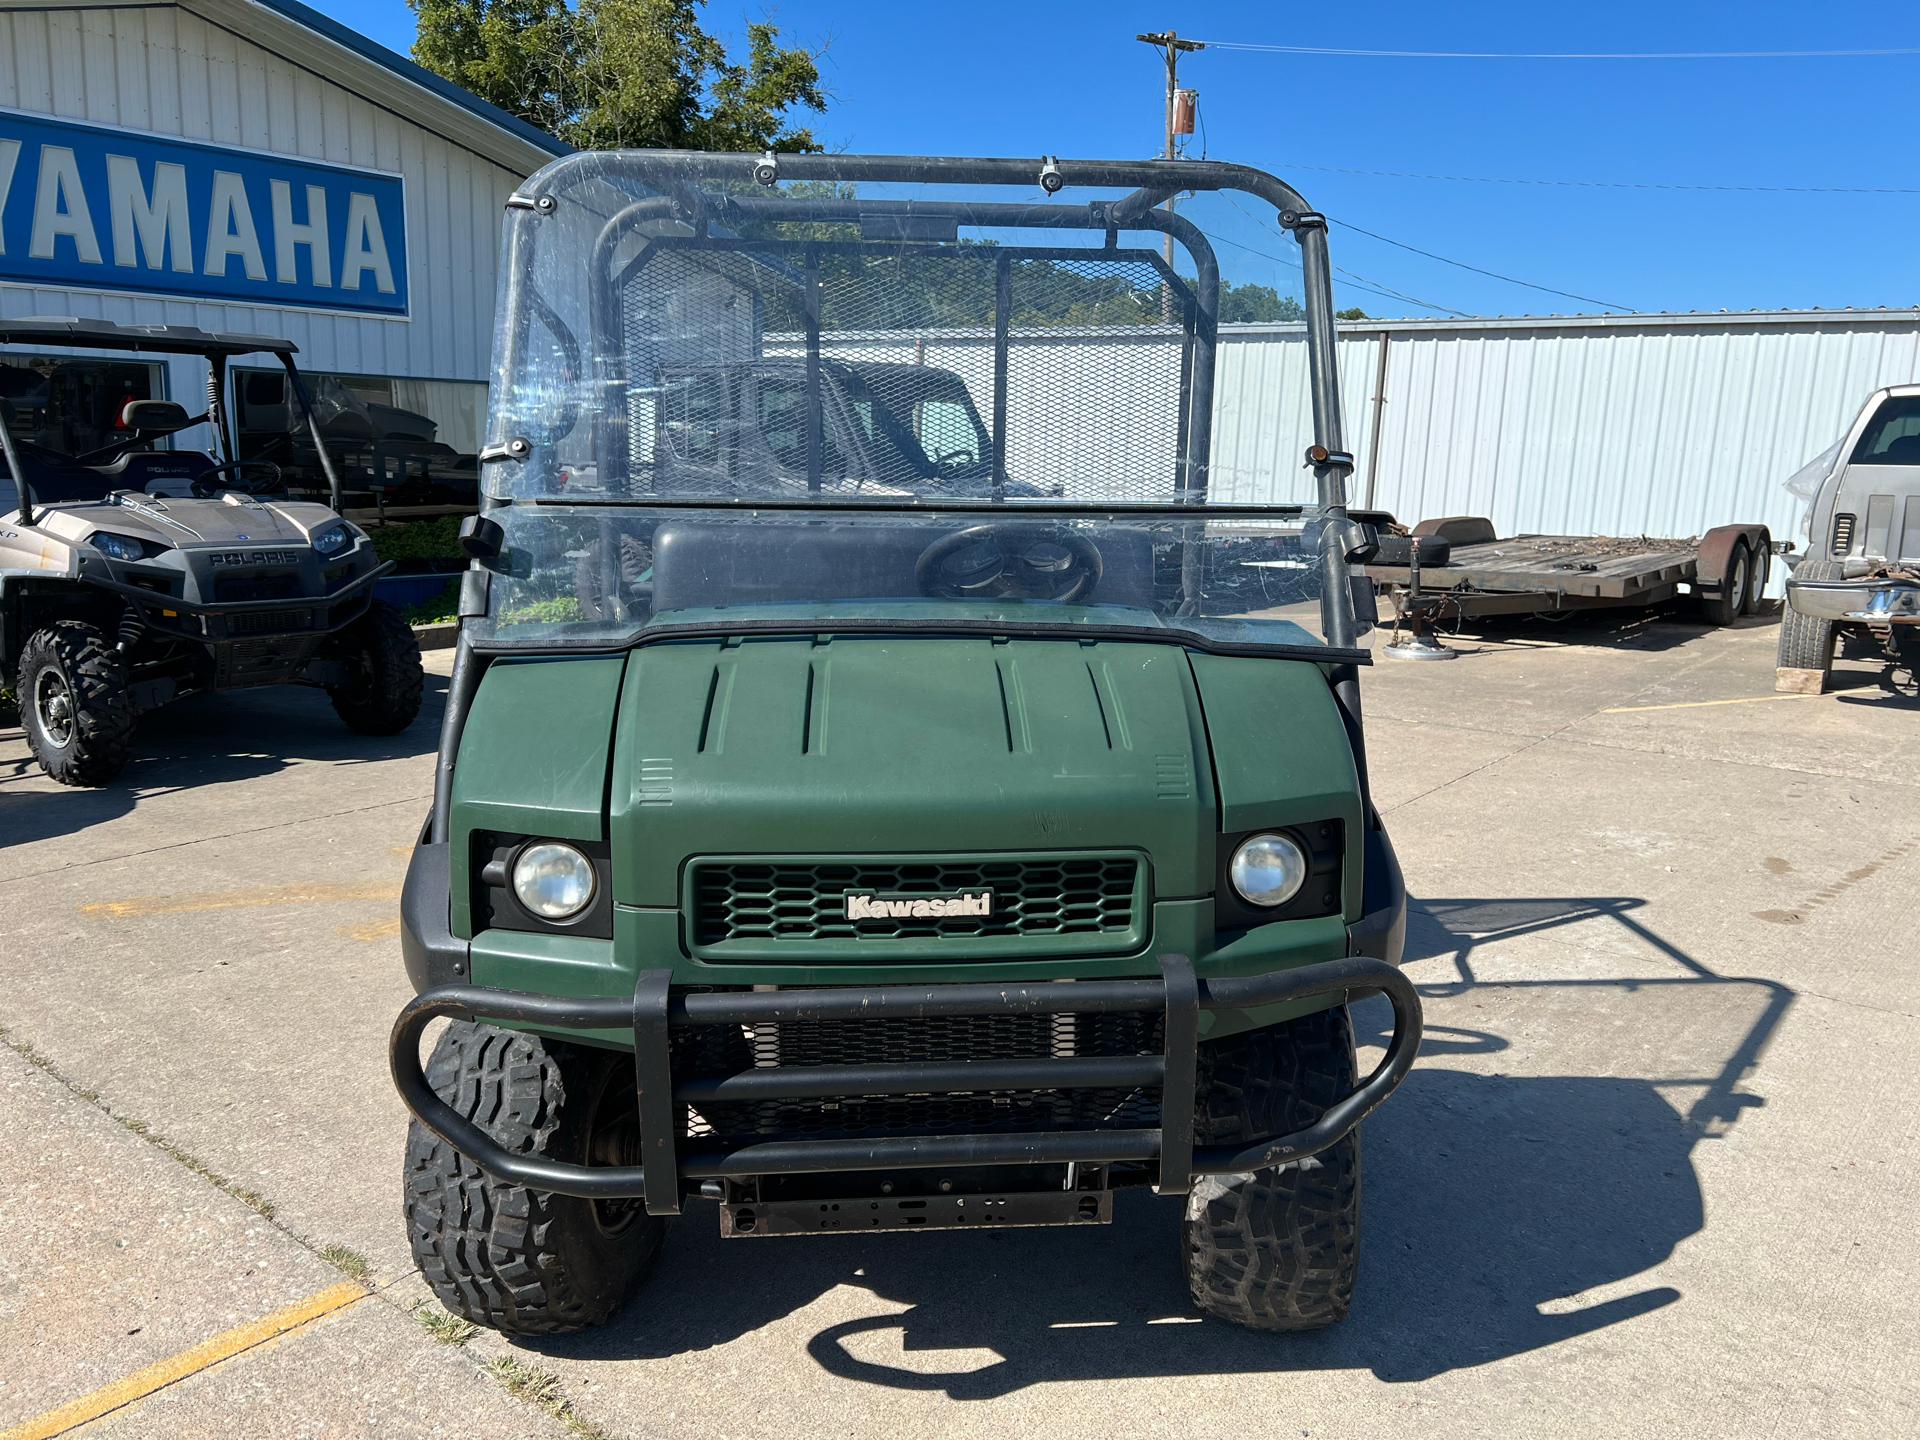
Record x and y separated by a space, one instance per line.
133 574
885 783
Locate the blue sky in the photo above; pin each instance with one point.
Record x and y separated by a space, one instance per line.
991 77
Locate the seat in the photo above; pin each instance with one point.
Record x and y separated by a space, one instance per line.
1904 451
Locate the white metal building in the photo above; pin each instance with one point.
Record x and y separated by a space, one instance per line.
251 165
1661 425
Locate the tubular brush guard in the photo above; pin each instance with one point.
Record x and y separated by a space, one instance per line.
655 1011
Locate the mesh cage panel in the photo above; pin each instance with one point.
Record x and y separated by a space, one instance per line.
916 389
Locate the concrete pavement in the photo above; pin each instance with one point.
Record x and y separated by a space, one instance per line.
1653 1175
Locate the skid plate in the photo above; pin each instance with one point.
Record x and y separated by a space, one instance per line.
915 1212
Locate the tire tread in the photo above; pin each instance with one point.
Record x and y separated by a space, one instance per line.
1277 1249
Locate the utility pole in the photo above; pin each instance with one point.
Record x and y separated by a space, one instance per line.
1179 120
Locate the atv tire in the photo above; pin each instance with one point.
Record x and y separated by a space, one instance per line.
74 703
383 658
1276 1249
521 1261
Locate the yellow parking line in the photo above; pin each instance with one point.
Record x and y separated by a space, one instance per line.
188 1362
1702 704
375 930
229 899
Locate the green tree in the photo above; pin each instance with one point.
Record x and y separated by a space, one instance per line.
1356 313
618 74
1260 304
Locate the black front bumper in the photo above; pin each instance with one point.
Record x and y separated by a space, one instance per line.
656 1011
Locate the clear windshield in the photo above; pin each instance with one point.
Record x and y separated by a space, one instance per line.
719 401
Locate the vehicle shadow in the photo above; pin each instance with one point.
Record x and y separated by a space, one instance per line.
1652 629
1495 1205
203 741
1865 674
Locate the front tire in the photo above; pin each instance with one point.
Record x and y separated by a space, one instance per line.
1804 659
383 658
521 1261
1276 1249
74 703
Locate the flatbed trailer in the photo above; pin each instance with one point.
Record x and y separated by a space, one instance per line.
1454 568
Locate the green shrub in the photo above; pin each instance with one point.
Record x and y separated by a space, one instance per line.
418 539
557 611
443 607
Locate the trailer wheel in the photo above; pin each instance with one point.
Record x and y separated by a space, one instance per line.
74 703
528 1262
1276 1249
1758 568
1725 608
1805 656
384 659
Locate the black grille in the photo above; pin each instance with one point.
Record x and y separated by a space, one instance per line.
1081 895
1842 534
264 622
712 1051
264 587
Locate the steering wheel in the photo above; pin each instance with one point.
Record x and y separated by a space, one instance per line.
204 486
1026 562
951 462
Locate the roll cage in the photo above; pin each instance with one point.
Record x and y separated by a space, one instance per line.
711 205
217 349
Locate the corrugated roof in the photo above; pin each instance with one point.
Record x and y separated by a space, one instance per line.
415 74
1660 320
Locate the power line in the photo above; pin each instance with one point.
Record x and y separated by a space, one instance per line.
1461 264
1359 282
1554 55
1608 184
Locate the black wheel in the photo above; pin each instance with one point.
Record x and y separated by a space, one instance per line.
1276 1249
74 705
383 658
1725 608
1806 641
528 1262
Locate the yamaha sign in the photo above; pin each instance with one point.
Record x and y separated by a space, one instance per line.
99 208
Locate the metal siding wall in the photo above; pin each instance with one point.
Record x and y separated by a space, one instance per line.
170 72
1552 428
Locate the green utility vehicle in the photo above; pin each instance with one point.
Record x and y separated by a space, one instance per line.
947 844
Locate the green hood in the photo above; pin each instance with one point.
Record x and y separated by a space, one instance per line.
907 746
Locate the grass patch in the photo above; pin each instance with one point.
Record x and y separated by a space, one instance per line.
447 1329
9 706
417 539
542 1388
251 1198
350 1263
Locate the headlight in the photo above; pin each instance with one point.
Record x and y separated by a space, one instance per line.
555 882
1267 870
330 539
120 547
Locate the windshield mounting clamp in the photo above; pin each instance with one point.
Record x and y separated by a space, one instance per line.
518 448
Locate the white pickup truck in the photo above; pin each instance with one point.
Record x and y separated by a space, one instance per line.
1862 568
